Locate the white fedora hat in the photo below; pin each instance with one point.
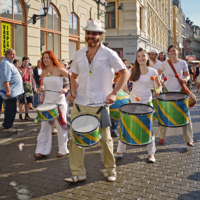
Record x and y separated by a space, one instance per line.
154 51
95 26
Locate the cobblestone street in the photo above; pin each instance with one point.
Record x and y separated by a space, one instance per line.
175 175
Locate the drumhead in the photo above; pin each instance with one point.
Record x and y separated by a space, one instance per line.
172 96
136 109
46 107
85 124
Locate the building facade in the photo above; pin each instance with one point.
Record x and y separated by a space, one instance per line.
192 44
61 31
132 24
179 27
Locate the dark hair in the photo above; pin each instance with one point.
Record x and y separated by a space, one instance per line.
106 44
171 46
124 59
25 58
165 56
15 61
135 75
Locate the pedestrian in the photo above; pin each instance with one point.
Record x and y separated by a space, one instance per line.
141 77
162 57
37 72
173 85
198 78
29 87
10 86
16 63
92 68
52 85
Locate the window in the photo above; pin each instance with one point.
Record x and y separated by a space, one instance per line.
110 16
183 31
73 35
50 31
73 24
13 27
140 18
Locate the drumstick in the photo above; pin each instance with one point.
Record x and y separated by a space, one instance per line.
153 78
52 91
137 98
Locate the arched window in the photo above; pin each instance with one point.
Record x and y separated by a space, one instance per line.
50 31
13 27
73 35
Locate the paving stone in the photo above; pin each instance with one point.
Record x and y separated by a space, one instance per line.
104 196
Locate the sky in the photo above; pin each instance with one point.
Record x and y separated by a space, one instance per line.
191 8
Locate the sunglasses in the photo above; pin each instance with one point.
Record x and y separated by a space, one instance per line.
92 33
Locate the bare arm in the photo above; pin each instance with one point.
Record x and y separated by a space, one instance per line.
7 87
160 72
122 81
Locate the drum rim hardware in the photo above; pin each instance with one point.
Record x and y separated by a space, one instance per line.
186 96
147 113
89 131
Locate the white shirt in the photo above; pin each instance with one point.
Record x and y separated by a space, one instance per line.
39 72
142 87
172 84
96 87
157 65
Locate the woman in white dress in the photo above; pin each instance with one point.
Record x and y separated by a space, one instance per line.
52 85
141 77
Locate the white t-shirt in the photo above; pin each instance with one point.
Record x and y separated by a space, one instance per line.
157 65
39 72
142 87
172 84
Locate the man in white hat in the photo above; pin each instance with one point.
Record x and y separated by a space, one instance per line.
154 58
92 69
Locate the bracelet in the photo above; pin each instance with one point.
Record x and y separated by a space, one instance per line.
158 90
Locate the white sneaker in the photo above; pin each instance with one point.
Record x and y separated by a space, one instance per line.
112 176
11 130
75 179
118 156
152 160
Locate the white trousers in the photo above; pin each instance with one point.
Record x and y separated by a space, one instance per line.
187 132
44 139
151 148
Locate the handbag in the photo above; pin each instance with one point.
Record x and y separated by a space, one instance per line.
192 97
28 86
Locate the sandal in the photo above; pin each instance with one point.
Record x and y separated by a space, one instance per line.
75 178
59 155
39 155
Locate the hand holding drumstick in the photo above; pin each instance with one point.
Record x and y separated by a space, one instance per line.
156 91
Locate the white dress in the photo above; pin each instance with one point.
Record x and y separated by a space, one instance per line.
142 89
44 139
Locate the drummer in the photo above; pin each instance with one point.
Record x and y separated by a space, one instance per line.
141 76
52 80
92 66
173 85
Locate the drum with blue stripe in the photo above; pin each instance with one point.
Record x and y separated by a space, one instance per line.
47 112
86 130
173 109
122 98
136 124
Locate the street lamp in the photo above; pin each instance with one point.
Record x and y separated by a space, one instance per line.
45 6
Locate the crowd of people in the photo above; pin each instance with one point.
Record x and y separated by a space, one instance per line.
95 77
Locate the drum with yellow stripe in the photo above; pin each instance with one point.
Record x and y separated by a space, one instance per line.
86 130
136 124
47 112
122 98
173 109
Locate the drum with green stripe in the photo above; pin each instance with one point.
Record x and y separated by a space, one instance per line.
136 124
155 105
47 112
86 130
122 98
173 109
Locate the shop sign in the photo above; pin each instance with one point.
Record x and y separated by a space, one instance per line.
192 57
130 53
5 37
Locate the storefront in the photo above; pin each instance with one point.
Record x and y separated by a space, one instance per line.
61 31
